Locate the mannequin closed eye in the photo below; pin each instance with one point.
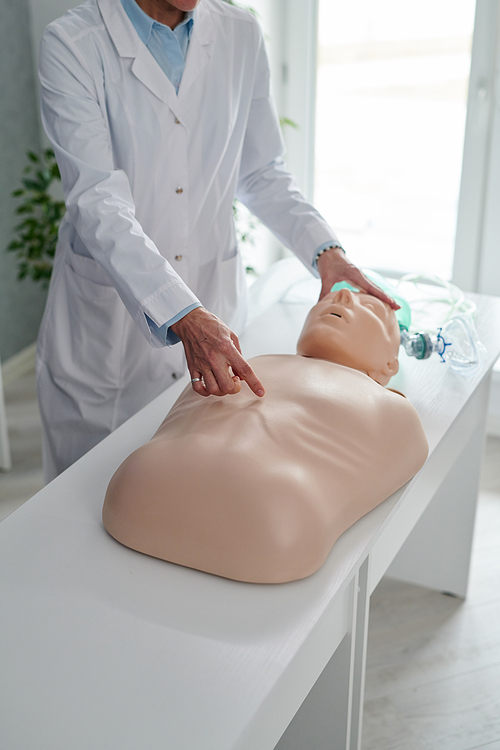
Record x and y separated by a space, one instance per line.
338 316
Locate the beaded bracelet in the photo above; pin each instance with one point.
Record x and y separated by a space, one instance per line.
325 249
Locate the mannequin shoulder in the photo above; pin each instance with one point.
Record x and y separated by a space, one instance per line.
323 387
403 428
295 377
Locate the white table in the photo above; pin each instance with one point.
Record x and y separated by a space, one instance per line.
102 647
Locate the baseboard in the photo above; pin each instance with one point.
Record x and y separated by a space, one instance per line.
19 365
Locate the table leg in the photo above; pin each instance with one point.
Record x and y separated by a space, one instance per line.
330 717
321 721
358 658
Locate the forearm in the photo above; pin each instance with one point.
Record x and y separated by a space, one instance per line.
271 193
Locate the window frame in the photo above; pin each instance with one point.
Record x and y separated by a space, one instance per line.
476 263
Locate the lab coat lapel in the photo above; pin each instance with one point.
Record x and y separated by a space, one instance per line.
147 70
128 44
199 51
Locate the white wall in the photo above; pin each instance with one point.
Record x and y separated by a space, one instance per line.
300 20
270 14
42 13
21 303
291 30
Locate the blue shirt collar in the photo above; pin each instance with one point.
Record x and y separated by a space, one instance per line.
143 23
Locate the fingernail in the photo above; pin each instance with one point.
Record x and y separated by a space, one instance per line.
260 393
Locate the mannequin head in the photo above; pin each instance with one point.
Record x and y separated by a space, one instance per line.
353 329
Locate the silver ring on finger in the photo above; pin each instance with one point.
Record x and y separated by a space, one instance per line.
196 380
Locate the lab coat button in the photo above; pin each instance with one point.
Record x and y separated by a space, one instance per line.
179 190
178 257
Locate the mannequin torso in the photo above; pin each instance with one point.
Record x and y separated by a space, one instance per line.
260 489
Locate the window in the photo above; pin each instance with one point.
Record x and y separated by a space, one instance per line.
392 84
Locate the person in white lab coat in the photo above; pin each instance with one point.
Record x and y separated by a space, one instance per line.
159 113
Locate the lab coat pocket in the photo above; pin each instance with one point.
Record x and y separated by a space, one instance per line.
233 293
88 327
88 268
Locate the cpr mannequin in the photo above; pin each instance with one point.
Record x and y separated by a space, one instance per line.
259 490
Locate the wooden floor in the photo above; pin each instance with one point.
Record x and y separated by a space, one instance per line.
433 673
433 670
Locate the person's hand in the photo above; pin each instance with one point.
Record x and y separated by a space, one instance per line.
334 266
213 354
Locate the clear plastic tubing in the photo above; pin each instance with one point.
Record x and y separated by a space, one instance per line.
462 349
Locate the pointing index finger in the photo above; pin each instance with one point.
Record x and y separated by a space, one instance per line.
242 369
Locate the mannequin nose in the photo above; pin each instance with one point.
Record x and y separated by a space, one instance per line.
344 297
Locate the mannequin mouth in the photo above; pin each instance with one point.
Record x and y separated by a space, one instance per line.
337 311
333 311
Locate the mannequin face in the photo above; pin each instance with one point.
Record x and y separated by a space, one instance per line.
353 329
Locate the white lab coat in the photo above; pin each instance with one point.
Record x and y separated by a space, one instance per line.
149 179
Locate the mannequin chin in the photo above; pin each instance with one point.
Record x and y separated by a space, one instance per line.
259 490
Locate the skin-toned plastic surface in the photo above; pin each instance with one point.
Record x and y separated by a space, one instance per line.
353 329
259 489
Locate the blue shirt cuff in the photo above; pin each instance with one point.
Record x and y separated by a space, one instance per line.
167 337
323 247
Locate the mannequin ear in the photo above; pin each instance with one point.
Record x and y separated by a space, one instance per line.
383 376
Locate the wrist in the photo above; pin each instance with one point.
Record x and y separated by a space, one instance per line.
325 250
178 323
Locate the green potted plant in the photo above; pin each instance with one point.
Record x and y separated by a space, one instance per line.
41 213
